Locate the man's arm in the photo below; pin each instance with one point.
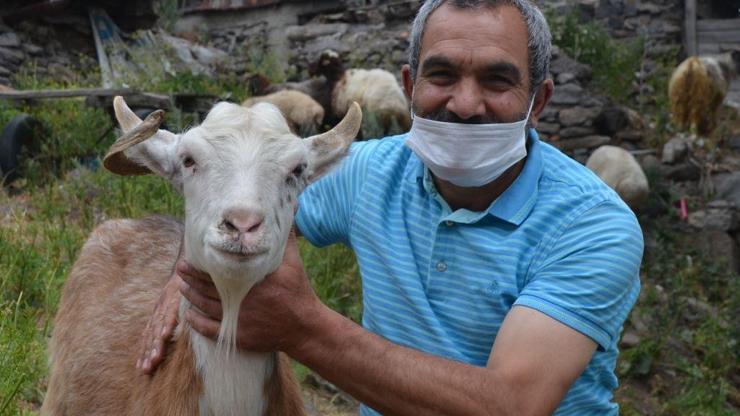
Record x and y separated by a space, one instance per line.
534 360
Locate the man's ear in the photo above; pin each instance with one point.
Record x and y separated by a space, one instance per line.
408 83
541 98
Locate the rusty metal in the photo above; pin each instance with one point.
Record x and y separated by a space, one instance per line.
222 5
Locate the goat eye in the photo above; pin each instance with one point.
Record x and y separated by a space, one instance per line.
188 162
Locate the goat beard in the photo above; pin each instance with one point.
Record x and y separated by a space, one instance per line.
232 292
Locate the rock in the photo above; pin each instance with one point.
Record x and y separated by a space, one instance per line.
578 131
577 116
650 163
734 143
675 150
588 142
32 49
548 128
727 187
550 113
11 56
564 63
10 39
683 172
629 340
308 32
629 135
611 119
565 78
719 246
4 72
567 94
718 215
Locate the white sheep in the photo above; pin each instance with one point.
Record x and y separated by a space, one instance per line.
303 113
241 172
376 90
697 88
619 169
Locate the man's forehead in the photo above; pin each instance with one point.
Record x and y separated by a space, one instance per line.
496 27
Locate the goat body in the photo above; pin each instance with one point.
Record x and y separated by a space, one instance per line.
105 305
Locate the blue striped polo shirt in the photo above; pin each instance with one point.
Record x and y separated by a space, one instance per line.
558 240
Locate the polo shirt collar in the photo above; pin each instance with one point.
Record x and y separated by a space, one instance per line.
512 206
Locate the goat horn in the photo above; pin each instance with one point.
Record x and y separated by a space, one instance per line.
346 130
117 162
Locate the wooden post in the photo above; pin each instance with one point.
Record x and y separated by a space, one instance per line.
690 27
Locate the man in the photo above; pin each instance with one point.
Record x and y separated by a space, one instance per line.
496 272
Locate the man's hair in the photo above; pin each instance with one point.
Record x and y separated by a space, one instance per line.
539 43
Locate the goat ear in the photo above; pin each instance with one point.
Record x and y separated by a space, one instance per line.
327 149
143 148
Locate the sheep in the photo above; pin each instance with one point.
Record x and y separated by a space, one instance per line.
240 172
619 169
303 113
697 88
376 90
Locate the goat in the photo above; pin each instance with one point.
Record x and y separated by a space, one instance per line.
697 88
303 113
376 90
240 172
619 169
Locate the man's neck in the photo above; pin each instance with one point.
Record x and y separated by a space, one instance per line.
478 198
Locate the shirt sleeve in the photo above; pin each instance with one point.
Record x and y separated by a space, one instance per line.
325 207
590 278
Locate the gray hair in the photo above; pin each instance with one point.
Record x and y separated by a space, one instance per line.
539 44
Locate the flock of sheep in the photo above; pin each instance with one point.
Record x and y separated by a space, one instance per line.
326 97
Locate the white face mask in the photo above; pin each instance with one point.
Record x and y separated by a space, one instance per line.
468 155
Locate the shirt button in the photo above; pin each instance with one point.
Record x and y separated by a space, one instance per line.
441 266
449 223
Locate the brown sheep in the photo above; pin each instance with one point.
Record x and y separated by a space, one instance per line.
697 88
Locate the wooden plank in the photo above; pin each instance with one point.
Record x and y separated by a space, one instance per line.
78 92
93 95
690 27
717 24
718 37
714 48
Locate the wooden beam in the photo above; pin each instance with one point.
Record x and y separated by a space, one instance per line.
78 92
690 27
718 24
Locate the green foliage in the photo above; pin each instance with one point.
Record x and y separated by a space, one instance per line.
688 305
335 277
614 62
167 11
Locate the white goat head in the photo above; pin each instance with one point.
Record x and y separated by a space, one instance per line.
241 172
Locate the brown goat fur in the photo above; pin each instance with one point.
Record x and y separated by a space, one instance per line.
105 305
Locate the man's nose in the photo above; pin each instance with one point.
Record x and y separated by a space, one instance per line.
467 100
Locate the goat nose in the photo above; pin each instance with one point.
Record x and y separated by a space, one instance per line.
243 221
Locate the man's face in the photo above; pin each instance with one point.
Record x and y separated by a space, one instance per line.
473 66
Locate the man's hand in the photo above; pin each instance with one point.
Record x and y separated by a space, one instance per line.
160 326
272 313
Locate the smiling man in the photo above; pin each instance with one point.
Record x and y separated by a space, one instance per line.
496 271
